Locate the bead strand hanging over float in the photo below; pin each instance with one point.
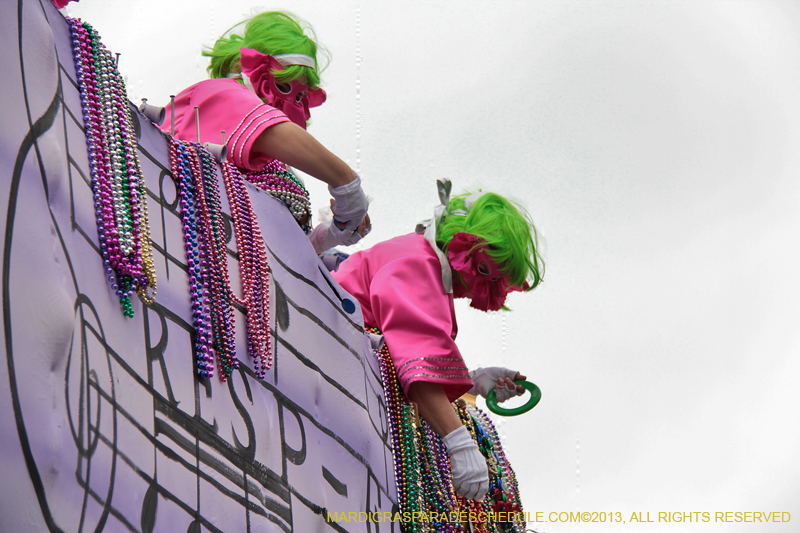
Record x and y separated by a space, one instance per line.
423 474
195 172
206 257
503 494
276 179
253 269
199 293
209 205
120 195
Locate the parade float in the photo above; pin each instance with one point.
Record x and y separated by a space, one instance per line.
120 413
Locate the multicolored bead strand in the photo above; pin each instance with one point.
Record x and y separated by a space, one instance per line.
422 466
253 269
403 426
147 289
276 179
503 494
211 232
120 195
196 261
195 172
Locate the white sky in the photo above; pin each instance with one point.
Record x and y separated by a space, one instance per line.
655 145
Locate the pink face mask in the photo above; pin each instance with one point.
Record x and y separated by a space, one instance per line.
293 98
484 282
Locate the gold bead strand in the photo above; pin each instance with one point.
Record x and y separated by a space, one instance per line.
148 265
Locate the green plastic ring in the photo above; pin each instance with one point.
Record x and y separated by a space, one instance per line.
536 395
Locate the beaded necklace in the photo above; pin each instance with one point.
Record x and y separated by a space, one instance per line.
209 211
119 191
183 159
422 466
253 269
194 169
276 179
503 494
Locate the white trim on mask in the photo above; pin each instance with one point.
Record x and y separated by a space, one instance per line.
295 59
286 60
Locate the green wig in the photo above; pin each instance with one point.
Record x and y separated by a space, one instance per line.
271 33
505 227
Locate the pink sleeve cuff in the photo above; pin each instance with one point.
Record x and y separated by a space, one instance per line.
449 372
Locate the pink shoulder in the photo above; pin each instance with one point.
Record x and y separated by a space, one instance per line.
225 87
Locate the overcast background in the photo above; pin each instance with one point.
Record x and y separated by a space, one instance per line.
655 145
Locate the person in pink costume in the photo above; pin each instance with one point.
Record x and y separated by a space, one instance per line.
478 246
263 84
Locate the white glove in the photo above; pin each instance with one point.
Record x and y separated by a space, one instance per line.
486 379
351 203
326 235
470 473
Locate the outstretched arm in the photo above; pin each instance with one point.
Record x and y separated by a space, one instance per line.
434 406
468 466
291 144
